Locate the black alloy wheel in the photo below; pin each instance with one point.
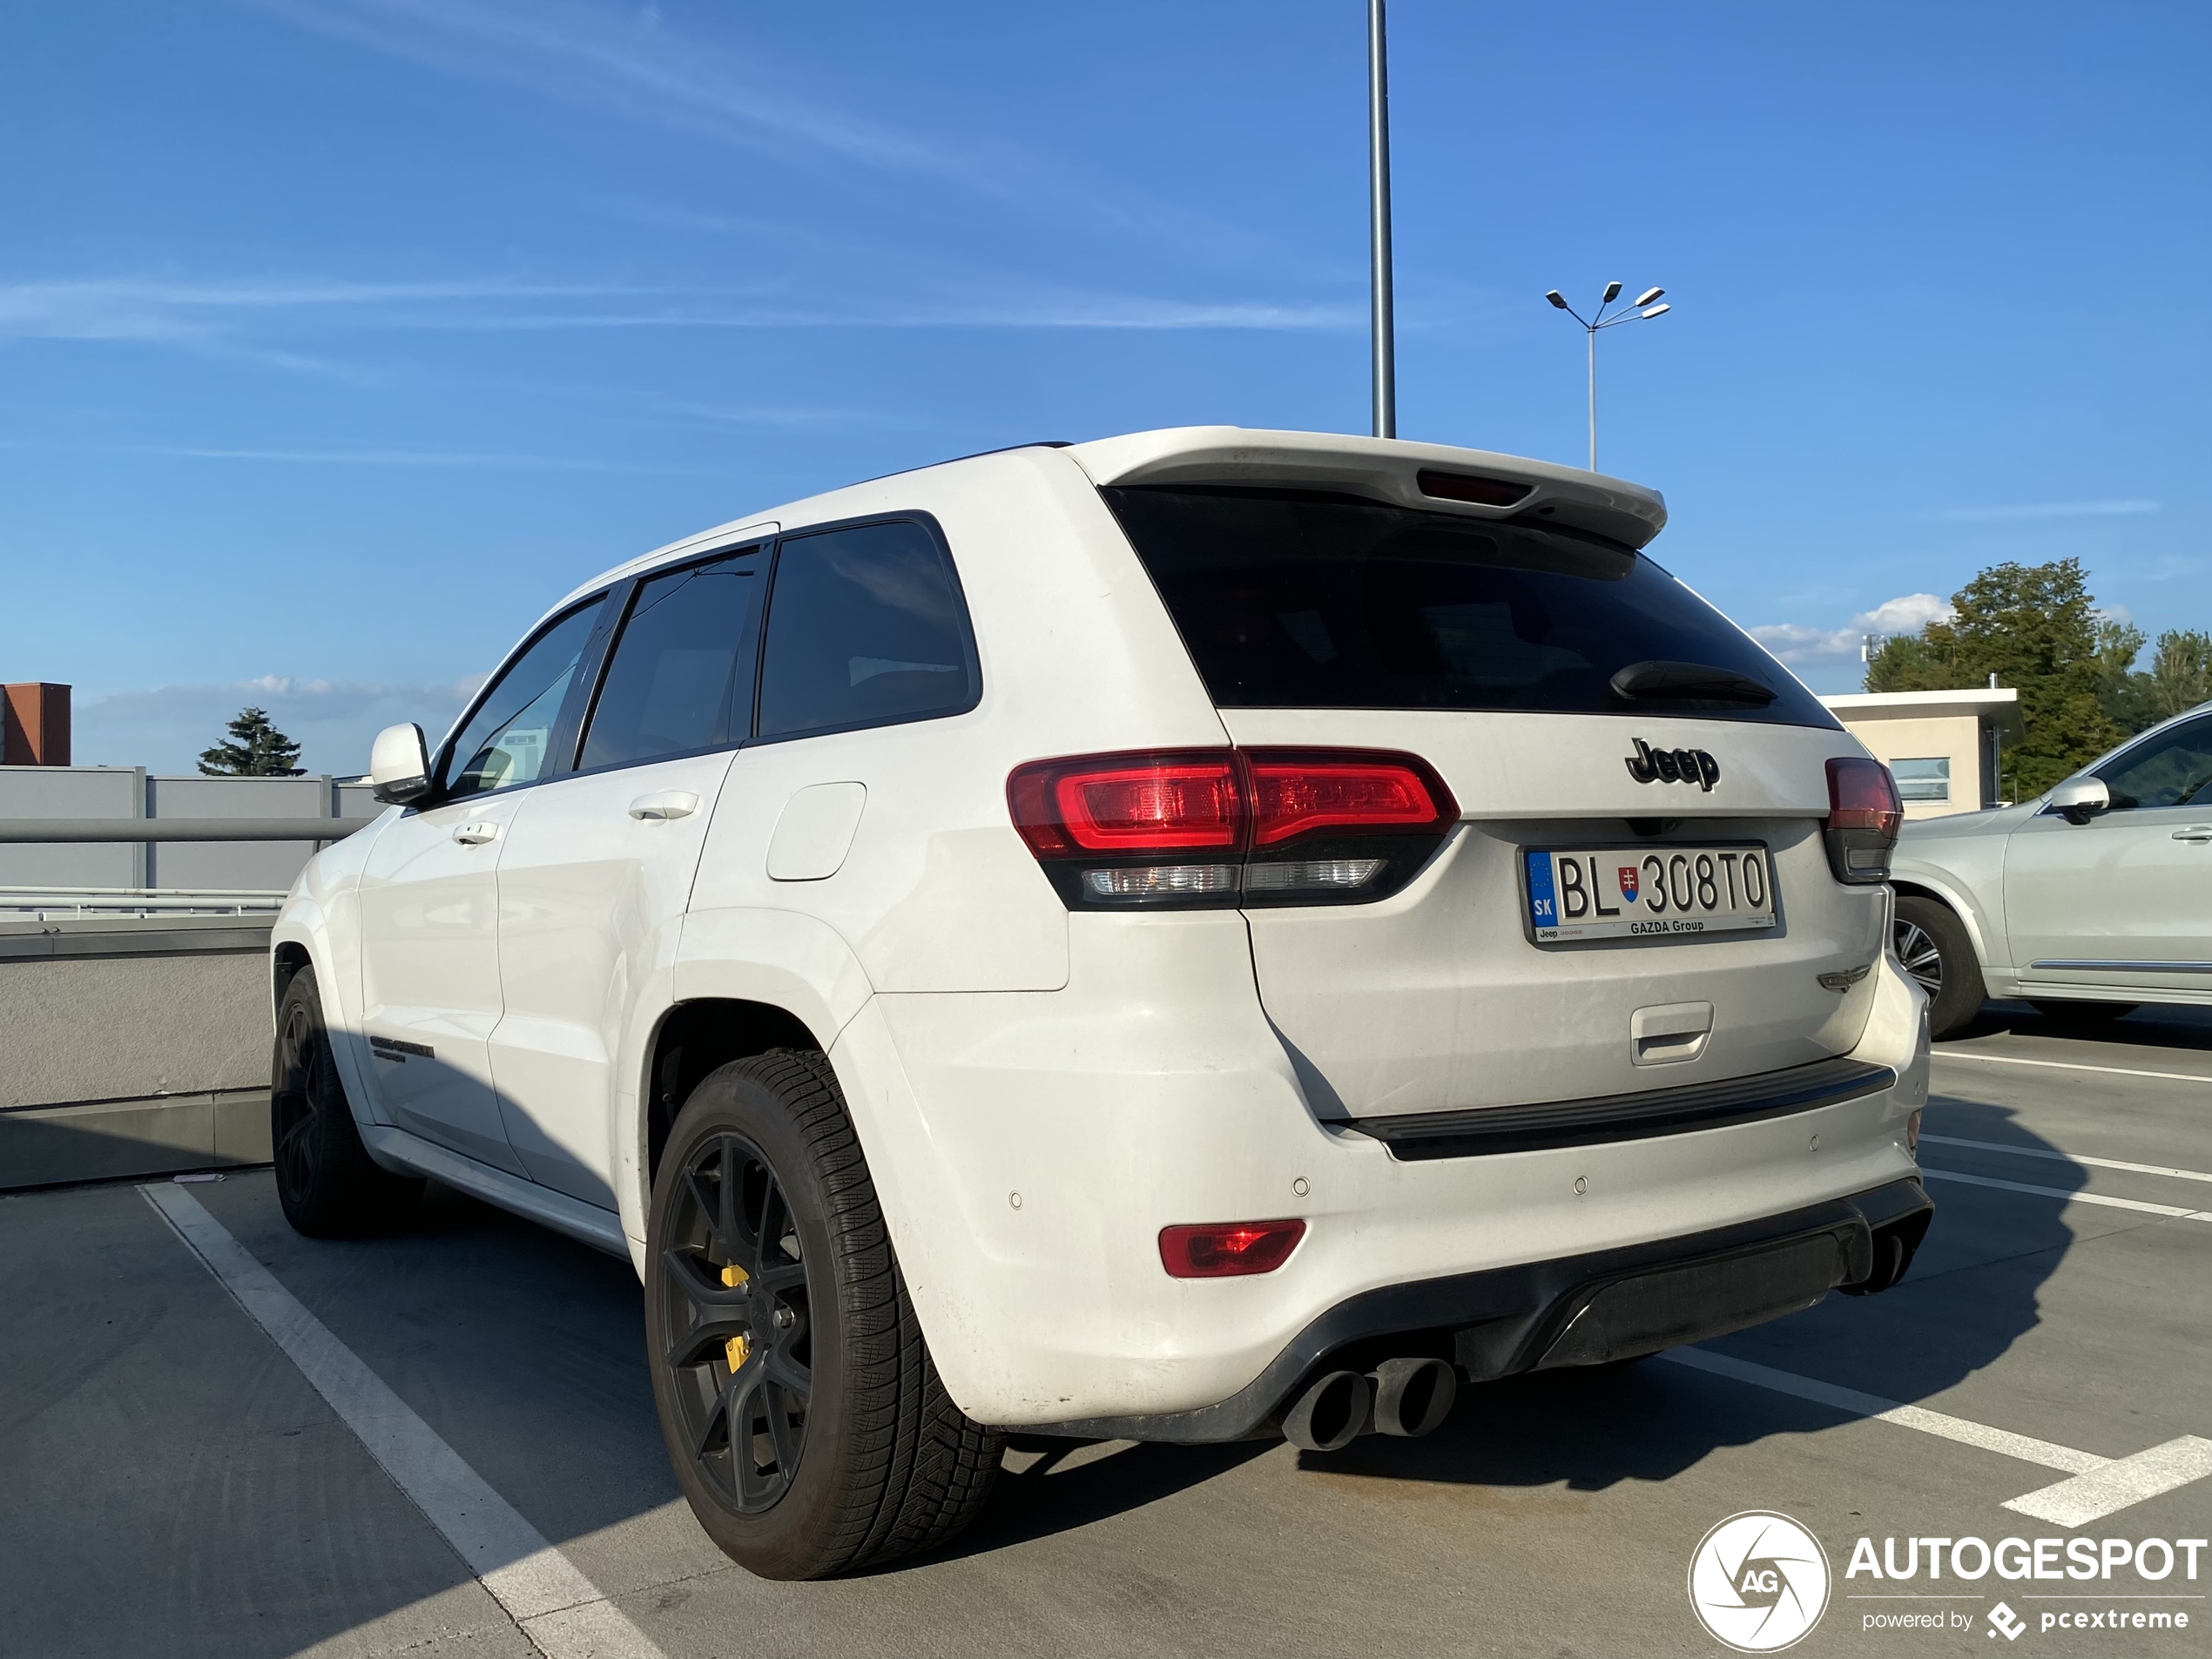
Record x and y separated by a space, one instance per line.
802 1412
735 1297
326 1182
302 1086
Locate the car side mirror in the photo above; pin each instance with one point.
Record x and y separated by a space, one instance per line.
399 765
2081 799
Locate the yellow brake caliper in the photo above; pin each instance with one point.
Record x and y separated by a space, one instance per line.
737 1348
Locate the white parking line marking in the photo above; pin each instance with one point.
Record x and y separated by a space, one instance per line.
1890 1411
2173 1210
2126 1480
561 1612
2066 1158
2066 1065
2100 1486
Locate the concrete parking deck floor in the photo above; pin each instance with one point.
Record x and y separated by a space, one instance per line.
171 1484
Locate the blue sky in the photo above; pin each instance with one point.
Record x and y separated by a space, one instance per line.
338 337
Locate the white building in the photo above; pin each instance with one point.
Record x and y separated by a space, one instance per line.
1942 746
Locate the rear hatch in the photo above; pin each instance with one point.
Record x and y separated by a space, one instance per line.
1636 895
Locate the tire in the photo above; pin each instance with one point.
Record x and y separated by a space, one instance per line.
851 1452
1931 944
325 1180
2083 1013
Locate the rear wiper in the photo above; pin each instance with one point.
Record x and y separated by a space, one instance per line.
1690 683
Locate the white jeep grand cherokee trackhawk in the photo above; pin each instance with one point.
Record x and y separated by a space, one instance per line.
1188 936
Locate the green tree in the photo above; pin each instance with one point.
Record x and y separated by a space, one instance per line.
2180 674
2035 628
2123 694
257 750
2180 677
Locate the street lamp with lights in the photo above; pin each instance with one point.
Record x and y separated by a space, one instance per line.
1645 307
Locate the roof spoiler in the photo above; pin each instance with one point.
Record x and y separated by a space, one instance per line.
1480 484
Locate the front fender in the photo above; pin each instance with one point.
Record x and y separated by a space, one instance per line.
321 916
1983 919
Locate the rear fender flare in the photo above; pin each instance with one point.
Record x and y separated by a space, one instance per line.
775 957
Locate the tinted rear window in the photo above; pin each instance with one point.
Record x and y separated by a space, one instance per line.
1307 600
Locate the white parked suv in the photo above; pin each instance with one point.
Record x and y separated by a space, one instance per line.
2088 900
1188 936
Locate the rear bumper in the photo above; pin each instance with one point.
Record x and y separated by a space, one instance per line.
1028 1149
1575 1311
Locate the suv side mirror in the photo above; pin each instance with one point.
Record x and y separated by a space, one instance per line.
2081 799
399 765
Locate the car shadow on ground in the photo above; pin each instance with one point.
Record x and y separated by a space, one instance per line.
444 1302
526 1351
1051 1486
2150 1026
505 1286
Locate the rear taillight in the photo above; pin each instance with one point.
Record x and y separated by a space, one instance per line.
1295 795
1220 827
1864 818
1229 1250
1139 803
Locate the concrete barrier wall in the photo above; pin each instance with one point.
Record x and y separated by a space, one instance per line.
132 1048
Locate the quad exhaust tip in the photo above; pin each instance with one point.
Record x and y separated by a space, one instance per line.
1413 1397
1405 1398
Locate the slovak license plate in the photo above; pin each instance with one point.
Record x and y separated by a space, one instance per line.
1648 892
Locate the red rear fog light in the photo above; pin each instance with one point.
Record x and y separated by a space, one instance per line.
1226 1249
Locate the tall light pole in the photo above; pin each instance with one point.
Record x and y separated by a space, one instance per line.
1643 308
1385 364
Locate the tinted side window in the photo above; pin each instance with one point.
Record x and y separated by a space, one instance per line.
681 677
2172 771
508 737
866 627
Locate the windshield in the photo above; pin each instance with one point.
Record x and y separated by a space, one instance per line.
1308 599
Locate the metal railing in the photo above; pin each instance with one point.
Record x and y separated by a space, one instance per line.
57 830
77 904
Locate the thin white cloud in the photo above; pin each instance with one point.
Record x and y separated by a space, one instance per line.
165 728
461 458
628 62
1084 312
624 62
1796 643
1906 614
2056 510
229 316
137 308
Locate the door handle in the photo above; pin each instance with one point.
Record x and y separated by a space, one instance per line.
672 803
2195 832
475 834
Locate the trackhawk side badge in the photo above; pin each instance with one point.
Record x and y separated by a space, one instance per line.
1648 764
